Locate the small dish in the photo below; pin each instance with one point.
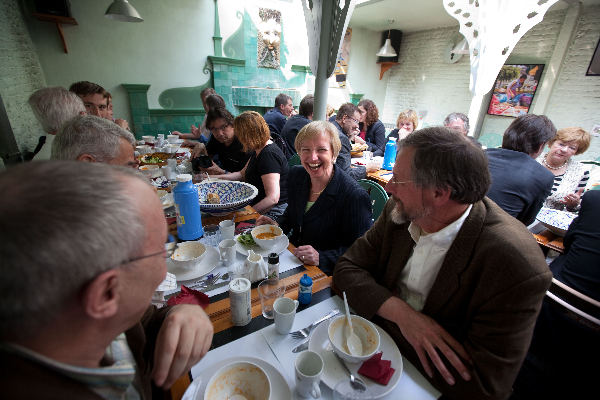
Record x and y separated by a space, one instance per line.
282 243
205 266
188 254
365 330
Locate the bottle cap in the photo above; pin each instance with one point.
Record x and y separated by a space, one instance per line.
393 139
184 178
273 258
306 280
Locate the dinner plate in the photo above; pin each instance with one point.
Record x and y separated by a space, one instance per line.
335 372
282 243
206 265
279 386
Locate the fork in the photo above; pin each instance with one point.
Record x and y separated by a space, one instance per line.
304 332
208 281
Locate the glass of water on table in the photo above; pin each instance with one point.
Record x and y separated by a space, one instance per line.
270 290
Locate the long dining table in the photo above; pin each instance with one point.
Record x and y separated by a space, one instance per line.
258 339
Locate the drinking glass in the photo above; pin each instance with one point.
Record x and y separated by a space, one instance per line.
269 290
212 237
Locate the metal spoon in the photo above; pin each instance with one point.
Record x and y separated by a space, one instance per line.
225 276
356 383
353 342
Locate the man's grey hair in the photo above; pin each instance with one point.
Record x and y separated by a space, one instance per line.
455 116
88 134
64 223
54 106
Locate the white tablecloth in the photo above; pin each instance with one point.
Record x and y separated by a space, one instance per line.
276 349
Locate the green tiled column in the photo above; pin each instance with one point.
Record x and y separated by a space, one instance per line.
138 104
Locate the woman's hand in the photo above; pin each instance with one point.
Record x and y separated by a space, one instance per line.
572 200
198 149
264 220
307 254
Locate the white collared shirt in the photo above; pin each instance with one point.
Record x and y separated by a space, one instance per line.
423 266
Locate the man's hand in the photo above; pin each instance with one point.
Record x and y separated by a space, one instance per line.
198 149
184 338
122 123
307 254
214 169
428 338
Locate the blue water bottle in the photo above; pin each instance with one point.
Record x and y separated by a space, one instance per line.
389 157
187 206
305 290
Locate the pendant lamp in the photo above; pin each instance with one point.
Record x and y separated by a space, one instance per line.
387 50
121 10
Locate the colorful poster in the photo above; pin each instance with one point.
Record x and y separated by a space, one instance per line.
514 89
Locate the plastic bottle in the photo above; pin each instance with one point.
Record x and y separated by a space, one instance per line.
389 157
187 207
273 264
305 290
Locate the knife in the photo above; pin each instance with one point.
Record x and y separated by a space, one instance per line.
301 347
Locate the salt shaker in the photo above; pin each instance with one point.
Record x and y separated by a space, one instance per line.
239 300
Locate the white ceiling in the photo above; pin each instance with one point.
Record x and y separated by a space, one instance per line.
414 15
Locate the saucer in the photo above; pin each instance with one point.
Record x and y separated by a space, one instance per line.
279 386
282 243
333 372
206 265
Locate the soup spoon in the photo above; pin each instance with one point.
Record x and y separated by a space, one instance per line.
353 342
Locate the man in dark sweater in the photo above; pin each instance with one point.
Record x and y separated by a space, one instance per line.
297 122
519 183
77 321
277 116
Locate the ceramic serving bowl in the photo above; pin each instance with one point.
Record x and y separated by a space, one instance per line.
231 195
151 171
188 254
240 378
363 328
266 235
556 221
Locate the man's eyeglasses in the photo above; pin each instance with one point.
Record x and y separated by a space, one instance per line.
167 251
352 119
396 182
219 129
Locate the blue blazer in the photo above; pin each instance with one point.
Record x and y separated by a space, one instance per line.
341 214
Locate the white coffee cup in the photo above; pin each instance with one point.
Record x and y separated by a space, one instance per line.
227 251
172 138
285 311
227 228
309 368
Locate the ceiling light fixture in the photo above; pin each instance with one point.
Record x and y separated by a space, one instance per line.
387 50
121 10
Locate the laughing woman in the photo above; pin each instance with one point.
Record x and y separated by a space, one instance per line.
570 176
327 210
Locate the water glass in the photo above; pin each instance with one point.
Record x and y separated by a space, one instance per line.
212 236
270 290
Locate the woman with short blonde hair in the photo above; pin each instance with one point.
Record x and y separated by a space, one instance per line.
406 123
570 176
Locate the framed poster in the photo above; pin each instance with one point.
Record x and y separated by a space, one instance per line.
514 89
594 68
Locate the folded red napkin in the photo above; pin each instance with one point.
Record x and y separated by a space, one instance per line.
189 296
377 369
242 226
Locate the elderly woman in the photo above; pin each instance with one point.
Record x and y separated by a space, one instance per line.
327 209
570 176
406 123
372 126
267 168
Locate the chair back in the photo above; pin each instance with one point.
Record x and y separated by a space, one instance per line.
576 304
294 160
377 194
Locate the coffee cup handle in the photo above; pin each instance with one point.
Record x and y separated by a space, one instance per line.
296 305
316 390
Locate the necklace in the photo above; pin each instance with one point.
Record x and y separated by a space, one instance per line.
325 187
550 166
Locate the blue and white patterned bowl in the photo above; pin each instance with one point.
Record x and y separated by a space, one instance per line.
233 195
556 221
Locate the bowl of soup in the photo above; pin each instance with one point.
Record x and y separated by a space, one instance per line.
266 235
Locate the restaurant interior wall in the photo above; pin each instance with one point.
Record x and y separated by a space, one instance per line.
20 75
424 82
167 50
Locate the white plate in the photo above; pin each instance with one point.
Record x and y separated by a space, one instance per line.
334 372
279 387
282 243
206 265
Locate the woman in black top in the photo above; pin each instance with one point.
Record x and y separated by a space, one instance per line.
267 168
375 131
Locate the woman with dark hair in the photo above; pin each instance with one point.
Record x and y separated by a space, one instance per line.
267 168
372 126
210 101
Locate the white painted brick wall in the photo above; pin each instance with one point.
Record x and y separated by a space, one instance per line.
422 81
20 74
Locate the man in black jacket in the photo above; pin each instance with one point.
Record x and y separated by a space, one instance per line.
297 122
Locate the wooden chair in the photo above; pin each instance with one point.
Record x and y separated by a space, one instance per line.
377 194
294 160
